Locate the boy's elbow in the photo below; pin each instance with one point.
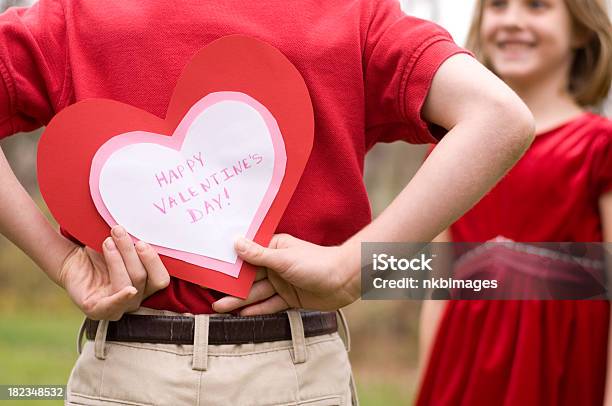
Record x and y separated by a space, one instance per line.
515 121
525 123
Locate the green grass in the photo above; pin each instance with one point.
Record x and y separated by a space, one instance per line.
37 348
382 394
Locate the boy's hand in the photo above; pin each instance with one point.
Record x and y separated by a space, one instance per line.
299 275
104 286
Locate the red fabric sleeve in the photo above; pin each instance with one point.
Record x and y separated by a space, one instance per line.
602 165
401 57
32 66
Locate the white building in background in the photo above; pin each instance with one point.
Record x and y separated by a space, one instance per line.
454 15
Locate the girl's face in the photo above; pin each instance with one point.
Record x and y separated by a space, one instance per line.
527 40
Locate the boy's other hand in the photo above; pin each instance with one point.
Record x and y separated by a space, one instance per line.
105 286
299 275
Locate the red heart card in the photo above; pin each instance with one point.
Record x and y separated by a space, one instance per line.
236 138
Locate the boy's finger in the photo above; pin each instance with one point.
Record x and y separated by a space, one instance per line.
283 241
284 289
157 274
117 272
110 307
135 269
262 273
255 254
273 305
260 291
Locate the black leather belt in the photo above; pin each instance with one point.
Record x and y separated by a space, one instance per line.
222 330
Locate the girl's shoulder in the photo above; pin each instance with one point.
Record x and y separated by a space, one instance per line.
600 153
599 131
585 129
587 137
590 128
600 125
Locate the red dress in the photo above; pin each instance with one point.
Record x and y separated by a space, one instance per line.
531 352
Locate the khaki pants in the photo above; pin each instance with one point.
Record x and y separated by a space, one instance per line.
312 371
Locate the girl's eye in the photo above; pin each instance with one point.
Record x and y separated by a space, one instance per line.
497 3
537 4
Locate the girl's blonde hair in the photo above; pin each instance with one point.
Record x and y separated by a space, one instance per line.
591 73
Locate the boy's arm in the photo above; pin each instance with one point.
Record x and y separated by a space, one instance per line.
489 130
103 286
22 222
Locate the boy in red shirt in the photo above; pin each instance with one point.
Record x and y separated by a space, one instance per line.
374 75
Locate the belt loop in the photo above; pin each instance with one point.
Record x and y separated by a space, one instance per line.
79 345
200 342
345 333
298 339
100 341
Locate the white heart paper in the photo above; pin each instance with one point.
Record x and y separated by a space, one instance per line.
190 195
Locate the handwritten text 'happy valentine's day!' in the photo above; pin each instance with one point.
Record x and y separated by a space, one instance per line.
208 184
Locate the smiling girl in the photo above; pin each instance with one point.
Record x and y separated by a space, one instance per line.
557 55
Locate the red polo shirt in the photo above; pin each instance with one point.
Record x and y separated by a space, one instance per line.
368 68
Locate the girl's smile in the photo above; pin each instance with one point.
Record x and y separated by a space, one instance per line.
514 49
